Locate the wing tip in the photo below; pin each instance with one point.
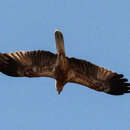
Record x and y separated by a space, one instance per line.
118 85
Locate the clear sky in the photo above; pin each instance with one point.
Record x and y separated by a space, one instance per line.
95 30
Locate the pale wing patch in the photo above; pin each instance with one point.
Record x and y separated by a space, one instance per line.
21 57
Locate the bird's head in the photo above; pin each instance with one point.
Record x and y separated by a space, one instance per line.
59 86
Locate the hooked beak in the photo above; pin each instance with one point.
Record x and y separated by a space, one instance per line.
59 86
59 92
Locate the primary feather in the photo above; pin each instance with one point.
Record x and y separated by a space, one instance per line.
98 78
30 64
63 69
42 63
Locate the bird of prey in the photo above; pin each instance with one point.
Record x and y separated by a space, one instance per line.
63 69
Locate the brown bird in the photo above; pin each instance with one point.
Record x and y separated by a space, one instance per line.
63 69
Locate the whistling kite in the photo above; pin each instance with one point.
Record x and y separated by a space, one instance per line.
63 69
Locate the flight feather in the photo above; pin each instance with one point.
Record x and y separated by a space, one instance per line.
97 78
30 63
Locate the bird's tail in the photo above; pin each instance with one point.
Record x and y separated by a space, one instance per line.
59 42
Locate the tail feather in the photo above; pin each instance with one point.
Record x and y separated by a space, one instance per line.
59 43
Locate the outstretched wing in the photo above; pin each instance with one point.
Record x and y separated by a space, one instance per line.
30 64
98 78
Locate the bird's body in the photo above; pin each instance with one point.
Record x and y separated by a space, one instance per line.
62 69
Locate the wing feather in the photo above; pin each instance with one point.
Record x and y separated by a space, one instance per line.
30 63
98 78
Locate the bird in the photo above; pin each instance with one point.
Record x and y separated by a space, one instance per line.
41 63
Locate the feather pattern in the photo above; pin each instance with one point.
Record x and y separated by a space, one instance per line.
98 78
42 64
63 69
30 64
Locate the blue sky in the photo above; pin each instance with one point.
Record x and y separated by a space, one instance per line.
95 30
